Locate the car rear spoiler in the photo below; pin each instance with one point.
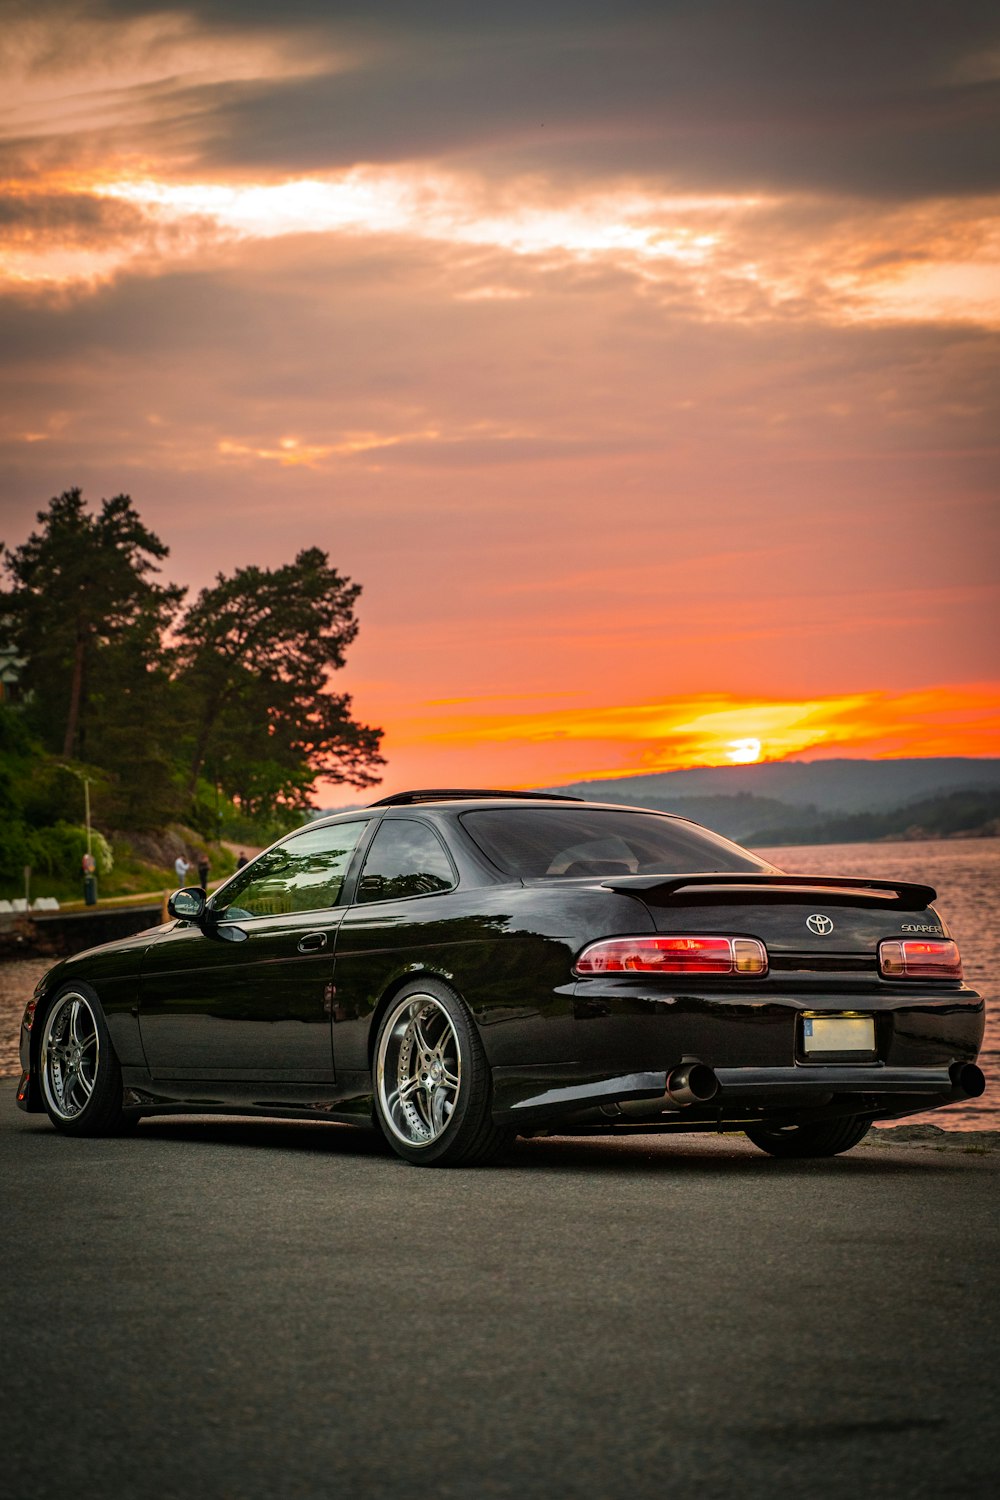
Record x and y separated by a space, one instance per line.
662 890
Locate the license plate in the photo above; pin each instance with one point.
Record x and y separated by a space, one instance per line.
838 1034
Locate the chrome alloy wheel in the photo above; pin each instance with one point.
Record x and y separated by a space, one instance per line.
70 1056
418 1070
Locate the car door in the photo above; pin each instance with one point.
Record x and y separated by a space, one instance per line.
248 996
403 916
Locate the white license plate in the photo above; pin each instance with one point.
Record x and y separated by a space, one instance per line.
838 1034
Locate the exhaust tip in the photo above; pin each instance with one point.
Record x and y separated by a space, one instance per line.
967 1077
693 1083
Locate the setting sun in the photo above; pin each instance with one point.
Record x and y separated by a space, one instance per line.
743 752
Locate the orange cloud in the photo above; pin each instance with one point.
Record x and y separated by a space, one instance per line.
739 258
548 747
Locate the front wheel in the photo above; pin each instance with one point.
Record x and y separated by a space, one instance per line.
432 1081
822 1138
80 1075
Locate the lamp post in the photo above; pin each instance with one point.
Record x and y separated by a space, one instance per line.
89 862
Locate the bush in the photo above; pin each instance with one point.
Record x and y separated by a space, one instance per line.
60 850
17 849
52 794
14 737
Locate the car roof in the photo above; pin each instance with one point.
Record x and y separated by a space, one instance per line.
469 794
459 800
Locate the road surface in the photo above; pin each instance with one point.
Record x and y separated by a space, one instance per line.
256 1309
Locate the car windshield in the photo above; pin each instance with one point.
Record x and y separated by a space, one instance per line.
557 843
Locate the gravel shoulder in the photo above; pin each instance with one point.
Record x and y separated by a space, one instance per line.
17 982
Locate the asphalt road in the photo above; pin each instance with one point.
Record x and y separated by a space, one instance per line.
233 1309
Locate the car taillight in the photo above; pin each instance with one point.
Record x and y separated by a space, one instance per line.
674 955
28 1019
905 958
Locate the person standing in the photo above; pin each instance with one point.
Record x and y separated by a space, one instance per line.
203 869
181 868
241 861
89 879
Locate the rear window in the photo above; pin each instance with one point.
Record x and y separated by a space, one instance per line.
561 843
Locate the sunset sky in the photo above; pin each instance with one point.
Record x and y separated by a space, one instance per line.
639 360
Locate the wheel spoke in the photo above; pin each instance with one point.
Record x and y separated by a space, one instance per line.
74 1017
423 1102
438 1101
419 1070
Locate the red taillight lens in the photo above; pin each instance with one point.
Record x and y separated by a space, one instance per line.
905 958
674 955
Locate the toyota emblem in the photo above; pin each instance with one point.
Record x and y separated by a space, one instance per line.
819 924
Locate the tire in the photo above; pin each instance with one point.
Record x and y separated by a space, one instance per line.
432 1081
824 1138
80 1076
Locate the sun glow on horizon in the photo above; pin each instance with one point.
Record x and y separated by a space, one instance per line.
743 752
466 744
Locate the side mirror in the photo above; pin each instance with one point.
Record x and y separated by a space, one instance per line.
188 904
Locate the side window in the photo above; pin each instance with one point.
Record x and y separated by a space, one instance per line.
305 873
405 859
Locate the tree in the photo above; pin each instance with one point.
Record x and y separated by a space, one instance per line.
88 617
256 652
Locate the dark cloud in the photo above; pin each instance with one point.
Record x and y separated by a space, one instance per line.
68 218
894 99
323 342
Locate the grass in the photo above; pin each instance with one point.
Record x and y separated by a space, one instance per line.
132 881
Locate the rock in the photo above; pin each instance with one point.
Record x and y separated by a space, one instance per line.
933 1135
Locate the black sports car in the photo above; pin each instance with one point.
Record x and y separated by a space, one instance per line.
457 967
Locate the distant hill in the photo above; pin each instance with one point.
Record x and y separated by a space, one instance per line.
738 817
820 801
843 786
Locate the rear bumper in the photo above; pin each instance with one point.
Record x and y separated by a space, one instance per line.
610 1047
573 1098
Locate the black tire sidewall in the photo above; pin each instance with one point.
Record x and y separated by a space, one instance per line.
819 1138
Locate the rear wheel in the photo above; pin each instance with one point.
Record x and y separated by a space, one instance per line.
432 1081
80 1075
821 1138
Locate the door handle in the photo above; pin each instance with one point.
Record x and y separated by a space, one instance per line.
310 942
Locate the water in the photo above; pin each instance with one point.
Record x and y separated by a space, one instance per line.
966 875
964 872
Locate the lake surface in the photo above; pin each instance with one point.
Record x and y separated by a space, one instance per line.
964 872
966 875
